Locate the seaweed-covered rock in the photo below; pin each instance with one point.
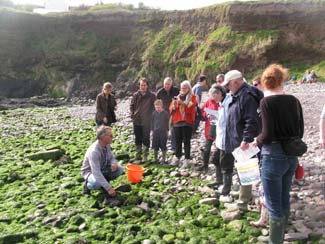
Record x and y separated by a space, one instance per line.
53 154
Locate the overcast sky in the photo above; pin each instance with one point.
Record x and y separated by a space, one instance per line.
163 4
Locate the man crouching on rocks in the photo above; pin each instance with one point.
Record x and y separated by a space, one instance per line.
99 166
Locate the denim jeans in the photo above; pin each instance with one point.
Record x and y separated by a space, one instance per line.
277 172
92 184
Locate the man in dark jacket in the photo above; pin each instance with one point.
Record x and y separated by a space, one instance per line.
141 108
166 94
243 121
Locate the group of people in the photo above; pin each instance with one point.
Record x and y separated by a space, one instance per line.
310 77
258 115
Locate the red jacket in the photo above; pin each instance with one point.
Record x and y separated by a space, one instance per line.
211 104
188 113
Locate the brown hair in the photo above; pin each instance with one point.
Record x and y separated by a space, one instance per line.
107 85
145 80
274 75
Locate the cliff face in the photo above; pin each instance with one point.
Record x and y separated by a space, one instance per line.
74 54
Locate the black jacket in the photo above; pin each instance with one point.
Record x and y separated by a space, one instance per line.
167 97
243 120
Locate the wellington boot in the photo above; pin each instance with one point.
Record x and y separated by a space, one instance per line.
145 154
276 230
227 181
155 155
219 175
245 194
86 190
163 157
138 153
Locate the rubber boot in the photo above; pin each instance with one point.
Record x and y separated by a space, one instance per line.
286 221
276 230
86 190
145 154
138 153
227 181
163 157
219 179
245 196
264 218
156 155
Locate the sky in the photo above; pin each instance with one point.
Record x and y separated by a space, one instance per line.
162 4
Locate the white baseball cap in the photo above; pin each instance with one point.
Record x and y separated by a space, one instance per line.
231 75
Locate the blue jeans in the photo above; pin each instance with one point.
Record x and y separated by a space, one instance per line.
277 172
92 184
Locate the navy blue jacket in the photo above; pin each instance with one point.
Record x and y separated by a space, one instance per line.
243 119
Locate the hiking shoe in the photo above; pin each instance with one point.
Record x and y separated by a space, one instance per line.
175 161
124 188
85 189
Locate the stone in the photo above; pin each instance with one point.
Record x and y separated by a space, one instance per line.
296 236
230 215
168 238
236 224
213 211
99 212
209 201
144 206
265 232
166 181
53 154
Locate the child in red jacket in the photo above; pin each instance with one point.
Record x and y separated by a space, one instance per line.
216 94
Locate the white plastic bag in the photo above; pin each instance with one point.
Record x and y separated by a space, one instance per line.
248 171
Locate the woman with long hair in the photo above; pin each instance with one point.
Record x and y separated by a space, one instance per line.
182 110
282 118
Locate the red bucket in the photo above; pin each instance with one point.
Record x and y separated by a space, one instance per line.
134 173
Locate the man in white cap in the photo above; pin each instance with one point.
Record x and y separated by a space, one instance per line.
243 120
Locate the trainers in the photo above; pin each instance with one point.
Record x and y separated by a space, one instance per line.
186 164
214 185
85 189
175 161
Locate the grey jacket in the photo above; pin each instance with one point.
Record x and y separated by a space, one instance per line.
93 162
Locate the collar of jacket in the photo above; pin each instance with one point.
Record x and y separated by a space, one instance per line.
240 90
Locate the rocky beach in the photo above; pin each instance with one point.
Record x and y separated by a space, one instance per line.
41 197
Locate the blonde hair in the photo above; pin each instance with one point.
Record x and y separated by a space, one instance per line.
187 84
158 102
274 75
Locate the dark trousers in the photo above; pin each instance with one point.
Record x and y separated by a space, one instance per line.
142 135
207 151
225 161
183 134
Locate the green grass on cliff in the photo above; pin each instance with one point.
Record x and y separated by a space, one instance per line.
185 56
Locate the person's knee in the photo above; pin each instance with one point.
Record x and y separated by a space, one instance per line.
92 184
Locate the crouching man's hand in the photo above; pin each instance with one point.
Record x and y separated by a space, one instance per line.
111 192
114 167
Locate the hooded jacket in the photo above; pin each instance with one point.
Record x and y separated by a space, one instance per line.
243 120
